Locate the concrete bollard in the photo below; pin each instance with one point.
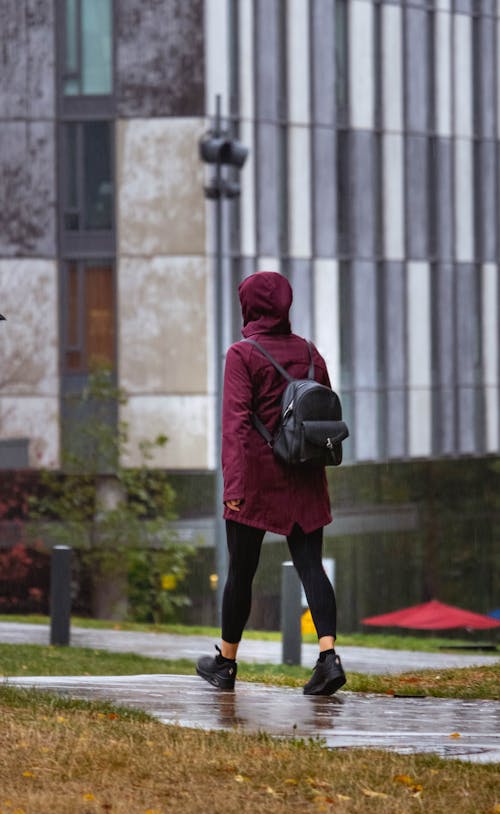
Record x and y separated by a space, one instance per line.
60 595
290 614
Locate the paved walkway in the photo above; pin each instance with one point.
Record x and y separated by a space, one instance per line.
468 730
169 646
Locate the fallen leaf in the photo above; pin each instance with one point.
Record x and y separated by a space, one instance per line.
241 778
403 778
343 797
88 797
455 735
290 781
28 774
372 793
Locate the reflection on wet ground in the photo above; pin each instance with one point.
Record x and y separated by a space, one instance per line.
454 728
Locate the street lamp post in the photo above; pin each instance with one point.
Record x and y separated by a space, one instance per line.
219 148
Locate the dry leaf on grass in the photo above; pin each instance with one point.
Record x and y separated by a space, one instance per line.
372 793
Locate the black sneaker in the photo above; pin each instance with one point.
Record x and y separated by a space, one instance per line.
217 670
328 677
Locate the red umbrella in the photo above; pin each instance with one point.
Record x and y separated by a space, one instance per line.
433 615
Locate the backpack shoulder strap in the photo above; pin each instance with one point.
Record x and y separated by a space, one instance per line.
271 359
310 374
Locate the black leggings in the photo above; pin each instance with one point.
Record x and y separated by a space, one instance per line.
244 544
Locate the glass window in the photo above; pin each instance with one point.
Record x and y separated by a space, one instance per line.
88 47
341 57
89 316
88 185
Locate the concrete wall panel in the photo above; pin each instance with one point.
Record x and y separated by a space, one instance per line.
29 337
161 208
184 419
29 387
27 189
160 58
36 418
28 58
163 325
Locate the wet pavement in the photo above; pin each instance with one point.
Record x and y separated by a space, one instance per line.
170 646
468 730
452 728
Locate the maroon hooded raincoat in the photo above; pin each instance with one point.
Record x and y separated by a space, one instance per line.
274 496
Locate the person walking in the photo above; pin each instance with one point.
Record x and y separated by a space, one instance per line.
263 494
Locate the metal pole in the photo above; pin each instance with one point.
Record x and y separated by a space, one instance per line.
60 595
219 526
291 631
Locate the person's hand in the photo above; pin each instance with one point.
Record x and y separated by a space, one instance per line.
234 505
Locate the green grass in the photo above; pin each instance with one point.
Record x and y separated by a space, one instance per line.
424 643
59 757
38 660
38 701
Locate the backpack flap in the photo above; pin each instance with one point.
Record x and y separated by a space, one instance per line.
323 440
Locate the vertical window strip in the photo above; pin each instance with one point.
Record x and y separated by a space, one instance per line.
382 380
419 360
341 46
442 73
490 355
496 24
468 350
462 66
283 190
365 364
246 33
327 315
361 67
346 339
394 356
323 135
393 196
417 68
392 68
464 200
216 55
270 130
299 132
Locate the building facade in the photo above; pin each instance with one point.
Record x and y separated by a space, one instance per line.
372 183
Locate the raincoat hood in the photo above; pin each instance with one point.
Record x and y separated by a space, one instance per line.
265 298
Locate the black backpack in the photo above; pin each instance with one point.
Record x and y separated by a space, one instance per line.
311 429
